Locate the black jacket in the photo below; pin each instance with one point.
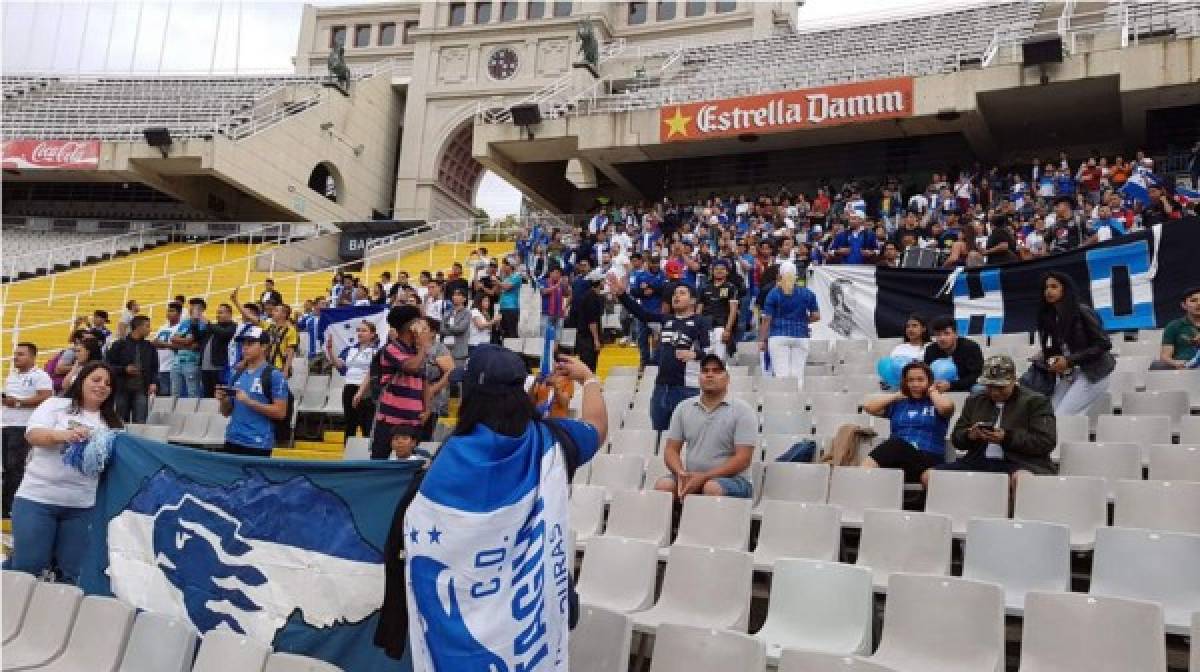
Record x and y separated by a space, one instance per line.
968 359
218 334
1030 430
130 351
1085 340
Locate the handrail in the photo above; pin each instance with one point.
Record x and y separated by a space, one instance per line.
194 247
104 241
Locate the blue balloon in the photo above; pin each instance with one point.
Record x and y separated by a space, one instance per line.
944 369
889 369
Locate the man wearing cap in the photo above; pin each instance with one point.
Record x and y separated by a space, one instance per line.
720 435
719 303
1006 428
255 398
398 370
683 341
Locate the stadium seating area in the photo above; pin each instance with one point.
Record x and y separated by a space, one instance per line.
55 628
115 108
43 252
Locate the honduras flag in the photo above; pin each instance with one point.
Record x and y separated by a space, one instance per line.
488 553
1137 187
288 553
341 325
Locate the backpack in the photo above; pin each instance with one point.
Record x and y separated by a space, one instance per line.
282 428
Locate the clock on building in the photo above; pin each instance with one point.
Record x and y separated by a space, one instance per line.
503 63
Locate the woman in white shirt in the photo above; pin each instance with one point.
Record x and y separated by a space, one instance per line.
354 363
482 323
52 508
916 337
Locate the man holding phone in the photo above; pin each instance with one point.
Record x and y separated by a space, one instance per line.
254 399
1006 428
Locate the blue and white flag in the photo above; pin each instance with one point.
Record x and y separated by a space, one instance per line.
488 568
1137 187
288 553
341 324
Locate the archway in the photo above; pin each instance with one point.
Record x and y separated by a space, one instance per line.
326 181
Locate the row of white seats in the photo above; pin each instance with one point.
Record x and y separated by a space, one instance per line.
191 429
930 624
51 627
359 448
1080 502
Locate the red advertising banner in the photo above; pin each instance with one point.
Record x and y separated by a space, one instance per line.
788 110
51 154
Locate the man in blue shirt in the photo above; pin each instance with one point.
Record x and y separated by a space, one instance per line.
252 410
646 287
510 299
856 245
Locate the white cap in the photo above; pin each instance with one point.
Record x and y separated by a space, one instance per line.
786 268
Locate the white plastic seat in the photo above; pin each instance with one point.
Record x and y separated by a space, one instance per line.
48 620
1107 460
1187 380
601 641
826 424
618 574
161 404
617 472
797 530
1070 632
1169 506
17 589
935 623
1189 430
818 605
655 469
98 637
225 651
1019 555
638 419
214 433
964 495
1172 403
794 660
904 541
793 482
642 442
585 510
854 489
1175 462
772 385
623 372
1079 502
844 403
1070 428
778 420
186 405
208 405
159 643
357 448
312 401
291 662
1162 567
641 514
718 522
704 587
1142 430
195 426
684 648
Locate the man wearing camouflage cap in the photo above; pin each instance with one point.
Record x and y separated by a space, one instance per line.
1005 428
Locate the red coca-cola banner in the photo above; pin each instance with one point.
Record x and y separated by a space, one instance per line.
51 154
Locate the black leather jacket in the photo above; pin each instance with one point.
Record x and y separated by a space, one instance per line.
1086 343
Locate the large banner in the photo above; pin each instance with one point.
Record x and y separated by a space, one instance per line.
51 154
286 552
788 111
1133 282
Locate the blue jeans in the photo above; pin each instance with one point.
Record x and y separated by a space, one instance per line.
185 380
46 535
164 383
663 402
731 486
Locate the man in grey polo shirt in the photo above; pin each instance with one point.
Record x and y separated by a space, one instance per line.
720 434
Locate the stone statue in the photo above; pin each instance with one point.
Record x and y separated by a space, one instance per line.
589 48
337 65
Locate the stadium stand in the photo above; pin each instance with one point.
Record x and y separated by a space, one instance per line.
37 253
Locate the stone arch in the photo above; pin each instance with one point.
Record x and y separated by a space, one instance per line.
326 180
457 170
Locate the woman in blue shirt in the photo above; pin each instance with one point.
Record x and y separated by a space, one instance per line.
920 416
784 333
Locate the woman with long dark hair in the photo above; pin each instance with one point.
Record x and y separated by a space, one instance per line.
916 337
1075 347
86 350
920 417
53 504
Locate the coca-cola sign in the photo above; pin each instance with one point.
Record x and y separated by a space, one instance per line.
51 154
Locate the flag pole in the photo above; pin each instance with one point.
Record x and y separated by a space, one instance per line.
137 32
212 61
162 47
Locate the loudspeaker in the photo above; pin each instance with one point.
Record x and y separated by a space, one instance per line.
1042 50
526 115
